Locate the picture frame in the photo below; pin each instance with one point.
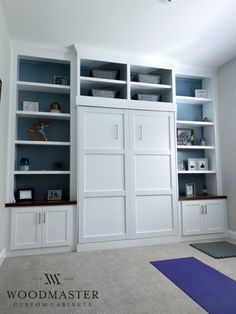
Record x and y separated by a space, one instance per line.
202 164
30 106
60 80
184 136
190 189
192 164
54 195
201 93
24 195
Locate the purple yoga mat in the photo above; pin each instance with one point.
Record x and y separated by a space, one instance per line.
212 290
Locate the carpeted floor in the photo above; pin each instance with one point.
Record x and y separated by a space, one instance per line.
125 281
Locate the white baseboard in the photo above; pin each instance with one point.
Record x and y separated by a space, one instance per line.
2 256
231 234
81 247
52 250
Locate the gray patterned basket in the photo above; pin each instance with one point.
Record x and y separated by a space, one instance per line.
147 97
103 93
105 74
149 78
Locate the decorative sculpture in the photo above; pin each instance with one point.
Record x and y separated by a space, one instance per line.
37 130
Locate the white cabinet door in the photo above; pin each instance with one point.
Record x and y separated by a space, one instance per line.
192 218
25 228
153 191
102 174
215 216
203 217
103 128
57 224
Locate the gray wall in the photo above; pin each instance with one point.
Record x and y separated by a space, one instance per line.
5 51
227 120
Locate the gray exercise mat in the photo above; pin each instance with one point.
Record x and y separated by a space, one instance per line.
221 249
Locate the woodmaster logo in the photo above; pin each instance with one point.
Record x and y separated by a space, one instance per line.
55 294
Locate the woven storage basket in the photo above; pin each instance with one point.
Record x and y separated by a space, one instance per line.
103 93
149 78
148 97
106 74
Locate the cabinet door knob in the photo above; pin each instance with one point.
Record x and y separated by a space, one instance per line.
44 217
205 209
39 218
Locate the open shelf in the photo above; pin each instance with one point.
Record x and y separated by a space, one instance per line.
93 80
149 87
194 123
42 172
22 142
194 147
43 87
192 100
196 172
38 114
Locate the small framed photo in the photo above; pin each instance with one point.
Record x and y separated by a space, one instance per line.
23 195
202 164
201 93
192 164
30 106
184 136
60 80
54 195
190 189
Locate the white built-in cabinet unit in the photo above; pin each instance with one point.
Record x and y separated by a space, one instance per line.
41 223
41 227
203 217
126 147
198 115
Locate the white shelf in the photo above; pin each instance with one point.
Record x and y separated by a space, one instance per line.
148 86
52 143
194 147
88 80
43 87
194 123
41 172
197 172
192 100
50 115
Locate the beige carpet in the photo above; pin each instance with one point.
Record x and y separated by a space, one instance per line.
122 281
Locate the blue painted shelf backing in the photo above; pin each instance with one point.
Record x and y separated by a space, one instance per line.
44 100
198 179
42 71
187 86
42 183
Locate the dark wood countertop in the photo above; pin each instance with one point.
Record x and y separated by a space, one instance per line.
201 197
41 203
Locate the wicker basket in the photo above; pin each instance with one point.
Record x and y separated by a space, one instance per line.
105 74
103 93
147 97
149 78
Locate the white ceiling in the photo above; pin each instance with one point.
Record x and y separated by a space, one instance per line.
188 31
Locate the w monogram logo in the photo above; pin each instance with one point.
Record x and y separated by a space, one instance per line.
52 279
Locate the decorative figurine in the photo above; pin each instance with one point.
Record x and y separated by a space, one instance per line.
192 138
203 141
24 164
206 119
55 107
204 190
37 130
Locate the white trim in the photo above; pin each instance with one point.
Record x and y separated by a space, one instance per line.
231 234
125 243
203 237
49 250
2 256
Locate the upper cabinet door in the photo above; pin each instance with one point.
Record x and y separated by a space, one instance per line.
103 129
152 131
